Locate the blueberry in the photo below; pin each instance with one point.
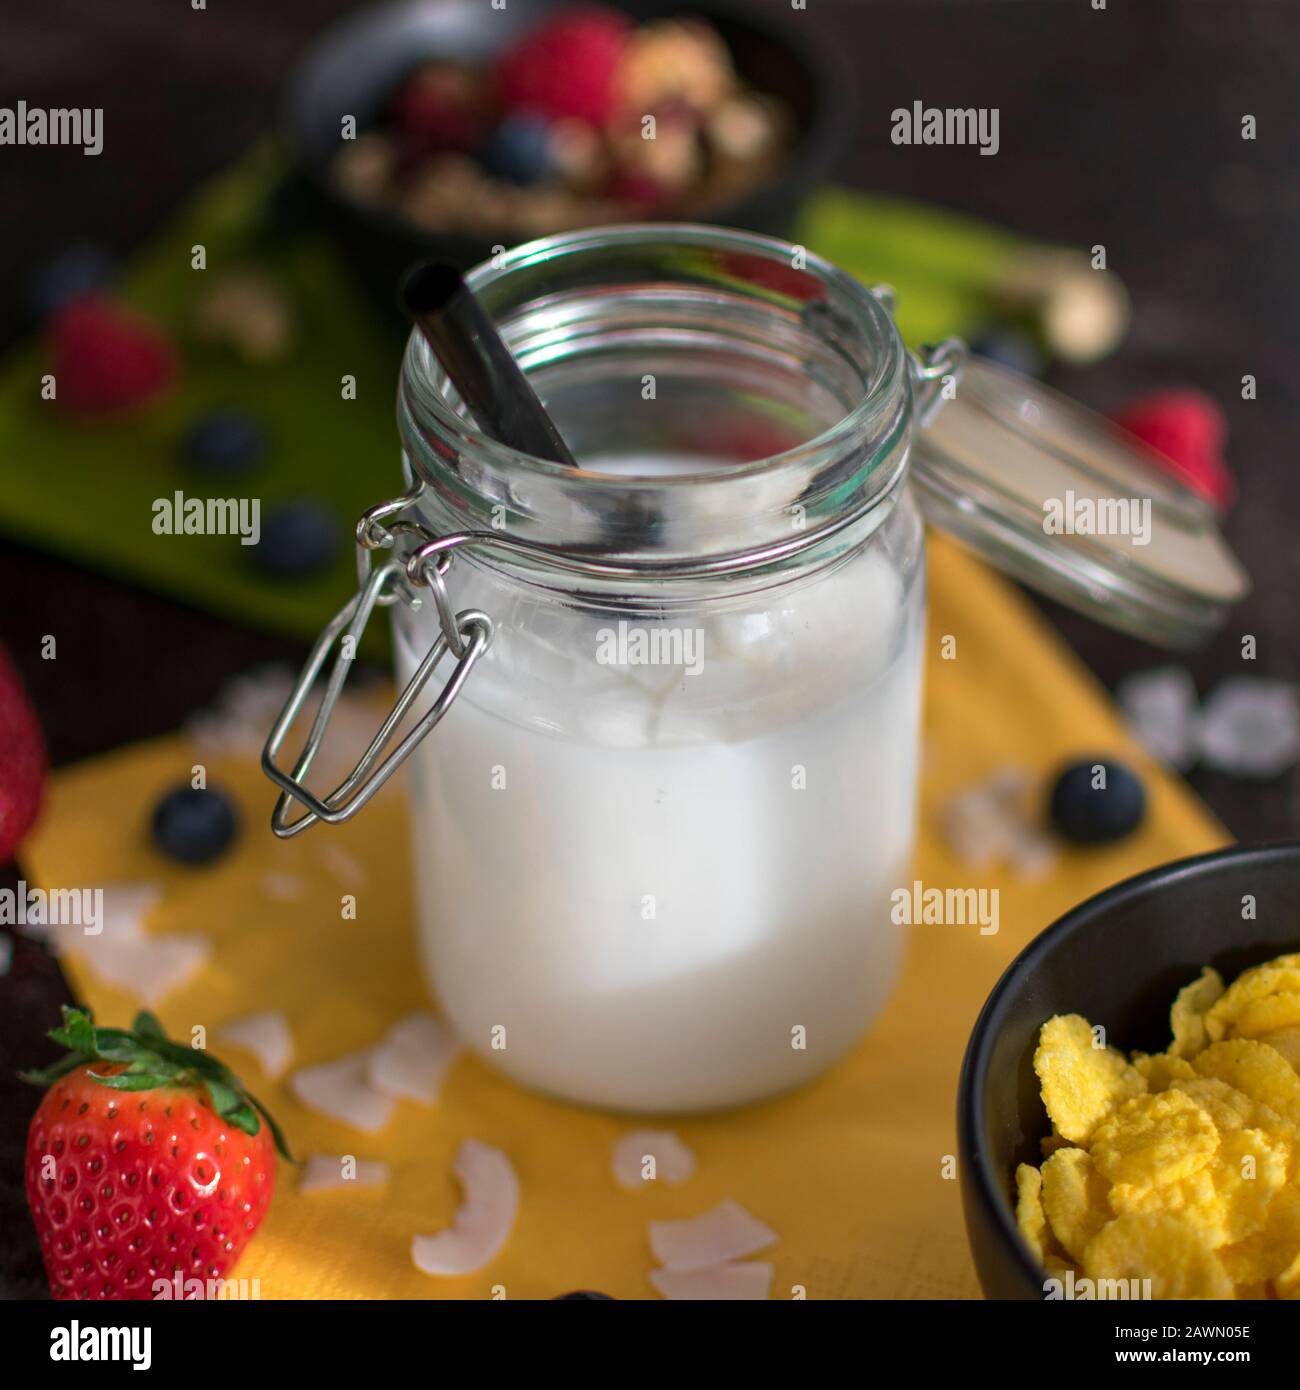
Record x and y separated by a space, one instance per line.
1095 802
194 826
581 1294
520 150
80 269
1011 348
299 539
224 444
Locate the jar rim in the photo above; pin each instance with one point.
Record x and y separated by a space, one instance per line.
889 372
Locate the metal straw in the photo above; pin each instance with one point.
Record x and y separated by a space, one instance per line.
479 364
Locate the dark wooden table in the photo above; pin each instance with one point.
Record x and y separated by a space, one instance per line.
1120 127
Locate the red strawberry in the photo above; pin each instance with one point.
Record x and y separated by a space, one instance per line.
1188 429
566 67
107 358
22 760
145 1159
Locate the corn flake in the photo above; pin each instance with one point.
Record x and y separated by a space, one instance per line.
1287 1284
1154 1139
1268 1015
1161 1069
1287 1042
1181 1167
1081 1084
1161 1248
1227 1200
1187 1017
1278 976
1074 1199
1258 1070
1267 1253
1029 1211
1229 1108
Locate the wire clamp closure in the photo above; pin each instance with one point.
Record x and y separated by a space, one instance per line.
465 635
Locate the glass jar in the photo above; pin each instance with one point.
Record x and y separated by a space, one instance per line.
673 784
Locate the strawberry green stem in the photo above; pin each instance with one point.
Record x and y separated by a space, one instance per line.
149 1060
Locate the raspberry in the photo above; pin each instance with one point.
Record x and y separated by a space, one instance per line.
1187 428
107 358
442 109
22 760
566 67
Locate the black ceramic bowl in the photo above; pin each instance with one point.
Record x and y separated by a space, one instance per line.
1118 960
356 65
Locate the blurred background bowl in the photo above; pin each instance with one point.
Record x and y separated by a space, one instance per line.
1118 959
355 67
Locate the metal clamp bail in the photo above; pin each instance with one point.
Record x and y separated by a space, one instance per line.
465 634
929 368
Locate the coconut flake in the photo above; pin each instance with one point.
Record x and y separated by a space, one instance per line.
265 1035
1250 727
124 907
340 1090
412 1060
1160 706
325 1173
245 708
981 822
482 1224
283 888
673 1161
716 1283
1034 855
119 953
150 968
726 1232
345 867
997 821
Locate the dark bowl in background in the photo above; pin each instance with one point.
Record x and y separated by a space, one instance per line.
354 67
1118 959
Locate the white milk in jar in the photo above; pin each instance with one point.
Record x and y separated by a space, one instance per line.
656 834
663 784
667 886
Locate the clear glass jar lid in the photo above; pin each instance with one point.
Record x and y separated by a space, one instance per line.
1062 499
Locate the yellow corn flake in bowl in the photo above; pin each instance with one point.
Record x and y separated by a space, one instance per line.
1161 1070
1178 1170
1258 1071
1285 1041
1187 1017
1161 1249
1029 1212
1074 1199
1082 1083
1280 976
